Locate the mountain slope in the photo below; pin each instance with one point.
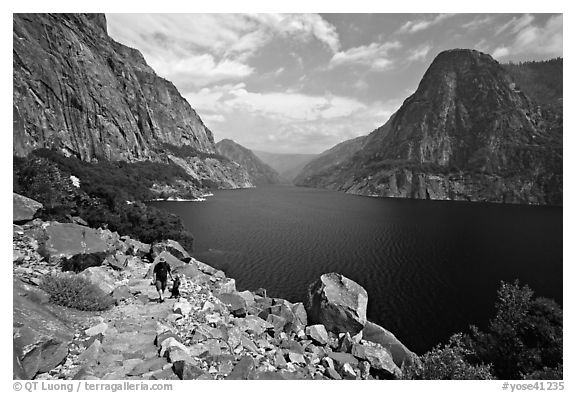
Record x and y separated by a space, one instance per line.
328 162
260 172
467 133
78 91
286 164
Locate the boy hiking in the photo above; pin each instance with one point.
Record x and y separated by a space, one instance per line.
161 272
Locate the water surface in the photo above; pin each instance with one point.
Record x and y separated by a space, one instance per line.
431 268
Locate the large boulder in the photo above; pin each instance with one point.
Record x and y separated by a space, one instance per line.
380 360
168 257
63 241
377 334
23 209
40 334
173 247
101 277
337 303
136 248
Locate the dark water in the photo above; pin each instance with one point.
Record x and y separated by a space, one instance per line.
431 268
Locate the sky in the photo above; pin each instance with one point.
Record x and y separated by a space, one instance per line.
301 83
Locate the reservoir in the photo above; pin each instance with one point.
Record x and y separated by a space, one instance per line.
431 268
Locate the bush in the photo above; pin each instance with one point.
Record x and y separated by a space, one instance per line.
101 198
76 292
448 362
525 337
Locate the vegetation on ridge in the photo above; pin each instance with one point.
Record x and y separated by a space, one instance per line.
102 197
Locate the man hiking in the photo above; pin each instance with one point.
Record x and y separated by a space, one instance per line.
161 272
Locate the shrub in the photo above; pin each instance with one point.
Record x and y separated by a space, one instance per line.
75 292
525 337
448 362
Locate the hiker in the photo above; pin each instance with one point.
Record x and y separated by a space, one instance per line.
176 288
161 272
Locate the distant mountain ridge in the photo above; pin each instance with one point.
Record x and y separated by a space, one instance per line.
468 133
288 165
259 172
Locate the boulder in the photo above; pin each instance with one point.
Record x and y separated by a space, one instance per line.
234 302
337 303
136 248
207 269
317 333
182 307
244 369
341 358
379 359
166 256
187 371
23 208
226 285
188 270
171 344
122 292
41 334
301 318
253 325
65 240
98 329
400 354
101 277
173 247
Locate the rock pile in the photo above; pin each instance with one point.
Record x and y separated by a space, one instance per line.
212 331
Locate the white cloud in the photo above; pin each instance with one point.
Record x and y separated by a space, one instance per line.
287 121
530 39
207 48
199 69
500 52
516 24
419 53
374 55
423 24
478 22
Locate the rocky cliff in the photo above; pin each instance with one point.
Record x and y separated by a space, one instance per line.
259 172
80 92
467 133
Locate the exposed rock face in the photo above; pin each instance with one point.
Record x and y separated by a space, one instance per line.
23 209
467 133
41 337
260 172
82 93
338 303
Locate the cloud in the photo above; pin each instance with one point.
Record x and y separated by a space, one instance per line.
515 24
199 70
478 22
423 24
419 53
500 52
208 48
530 39
374 55
286 121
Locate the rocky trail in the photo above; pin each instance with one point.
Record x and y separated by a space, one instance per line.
212 331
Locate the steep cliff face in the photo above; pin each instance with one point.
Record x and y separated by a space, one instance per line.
467 133
260 172
80 92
